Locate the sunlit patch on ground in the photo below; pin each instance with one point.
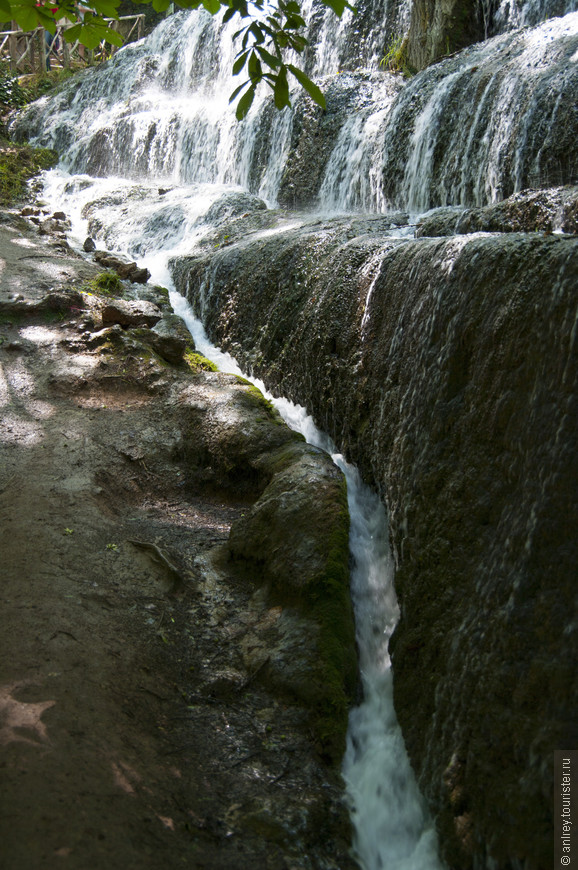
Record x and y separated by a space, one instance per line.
15 430
40 335
17 717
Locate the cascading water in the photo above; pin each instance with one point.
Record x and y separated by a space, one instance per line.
467 131
393 831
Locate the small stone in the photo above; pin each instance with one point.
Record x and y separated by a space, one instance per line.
123 270
139 276
48 227
89 246
59 216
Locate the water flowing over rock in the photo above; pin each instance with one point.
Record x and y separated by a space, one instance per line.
473 129
447 370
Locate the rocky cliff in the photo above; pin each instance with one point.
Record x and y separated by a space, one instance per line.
447 369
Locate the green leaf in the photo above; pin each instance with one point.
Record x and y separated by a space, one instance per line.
270 59
108 8
257 33
238 90
161 5
94 31
26 16
239 6
5 10
228 15
254 68
46 21
212 6
114 37
245 103
339 6
281 89
314 92
71 34
240 62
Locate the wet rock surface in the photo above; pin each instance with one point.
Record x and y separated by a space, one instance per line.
152 712
412 143
553 210
447 370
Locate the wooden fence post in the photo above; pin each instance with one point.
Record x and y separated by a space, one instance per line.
13 47
42 50
65 50
32 51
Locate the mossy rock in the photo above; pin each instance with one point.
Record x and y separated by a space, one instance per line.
18 164
107 284
233 446
197 362
297 535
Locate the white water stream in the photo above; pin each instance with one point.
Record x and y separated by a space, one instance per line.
392 829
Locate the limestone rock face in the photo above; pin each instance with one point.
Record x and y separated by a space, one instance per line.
447 369
547 211
440 27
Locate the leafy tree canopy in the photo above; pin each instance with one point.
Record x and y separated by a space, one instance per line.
269 28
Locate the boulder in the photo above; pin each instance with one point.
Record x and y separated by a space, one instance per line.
139 276
137 313
170 338
291 545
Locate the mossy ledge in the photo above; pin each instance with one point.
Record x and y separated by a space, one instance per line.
290 545
18 164
297 537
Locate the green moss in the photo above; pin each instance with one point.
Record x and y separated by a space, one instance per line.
265 826
329 603
197 362
36 85
256 399
19 163
162 295
106 284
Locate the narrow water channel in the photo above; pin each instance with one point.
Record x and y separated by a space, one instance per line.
391 825
392 830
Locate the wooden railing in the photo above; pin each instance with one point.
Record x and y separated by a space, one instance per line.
38 51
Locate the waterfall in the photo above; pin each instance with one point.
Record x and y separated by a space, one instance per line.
469 130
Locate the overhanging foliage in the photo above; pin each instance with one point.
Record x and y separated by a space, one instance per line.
269 30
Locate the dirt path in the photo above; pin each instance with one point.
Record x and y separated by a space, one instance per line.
131 735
